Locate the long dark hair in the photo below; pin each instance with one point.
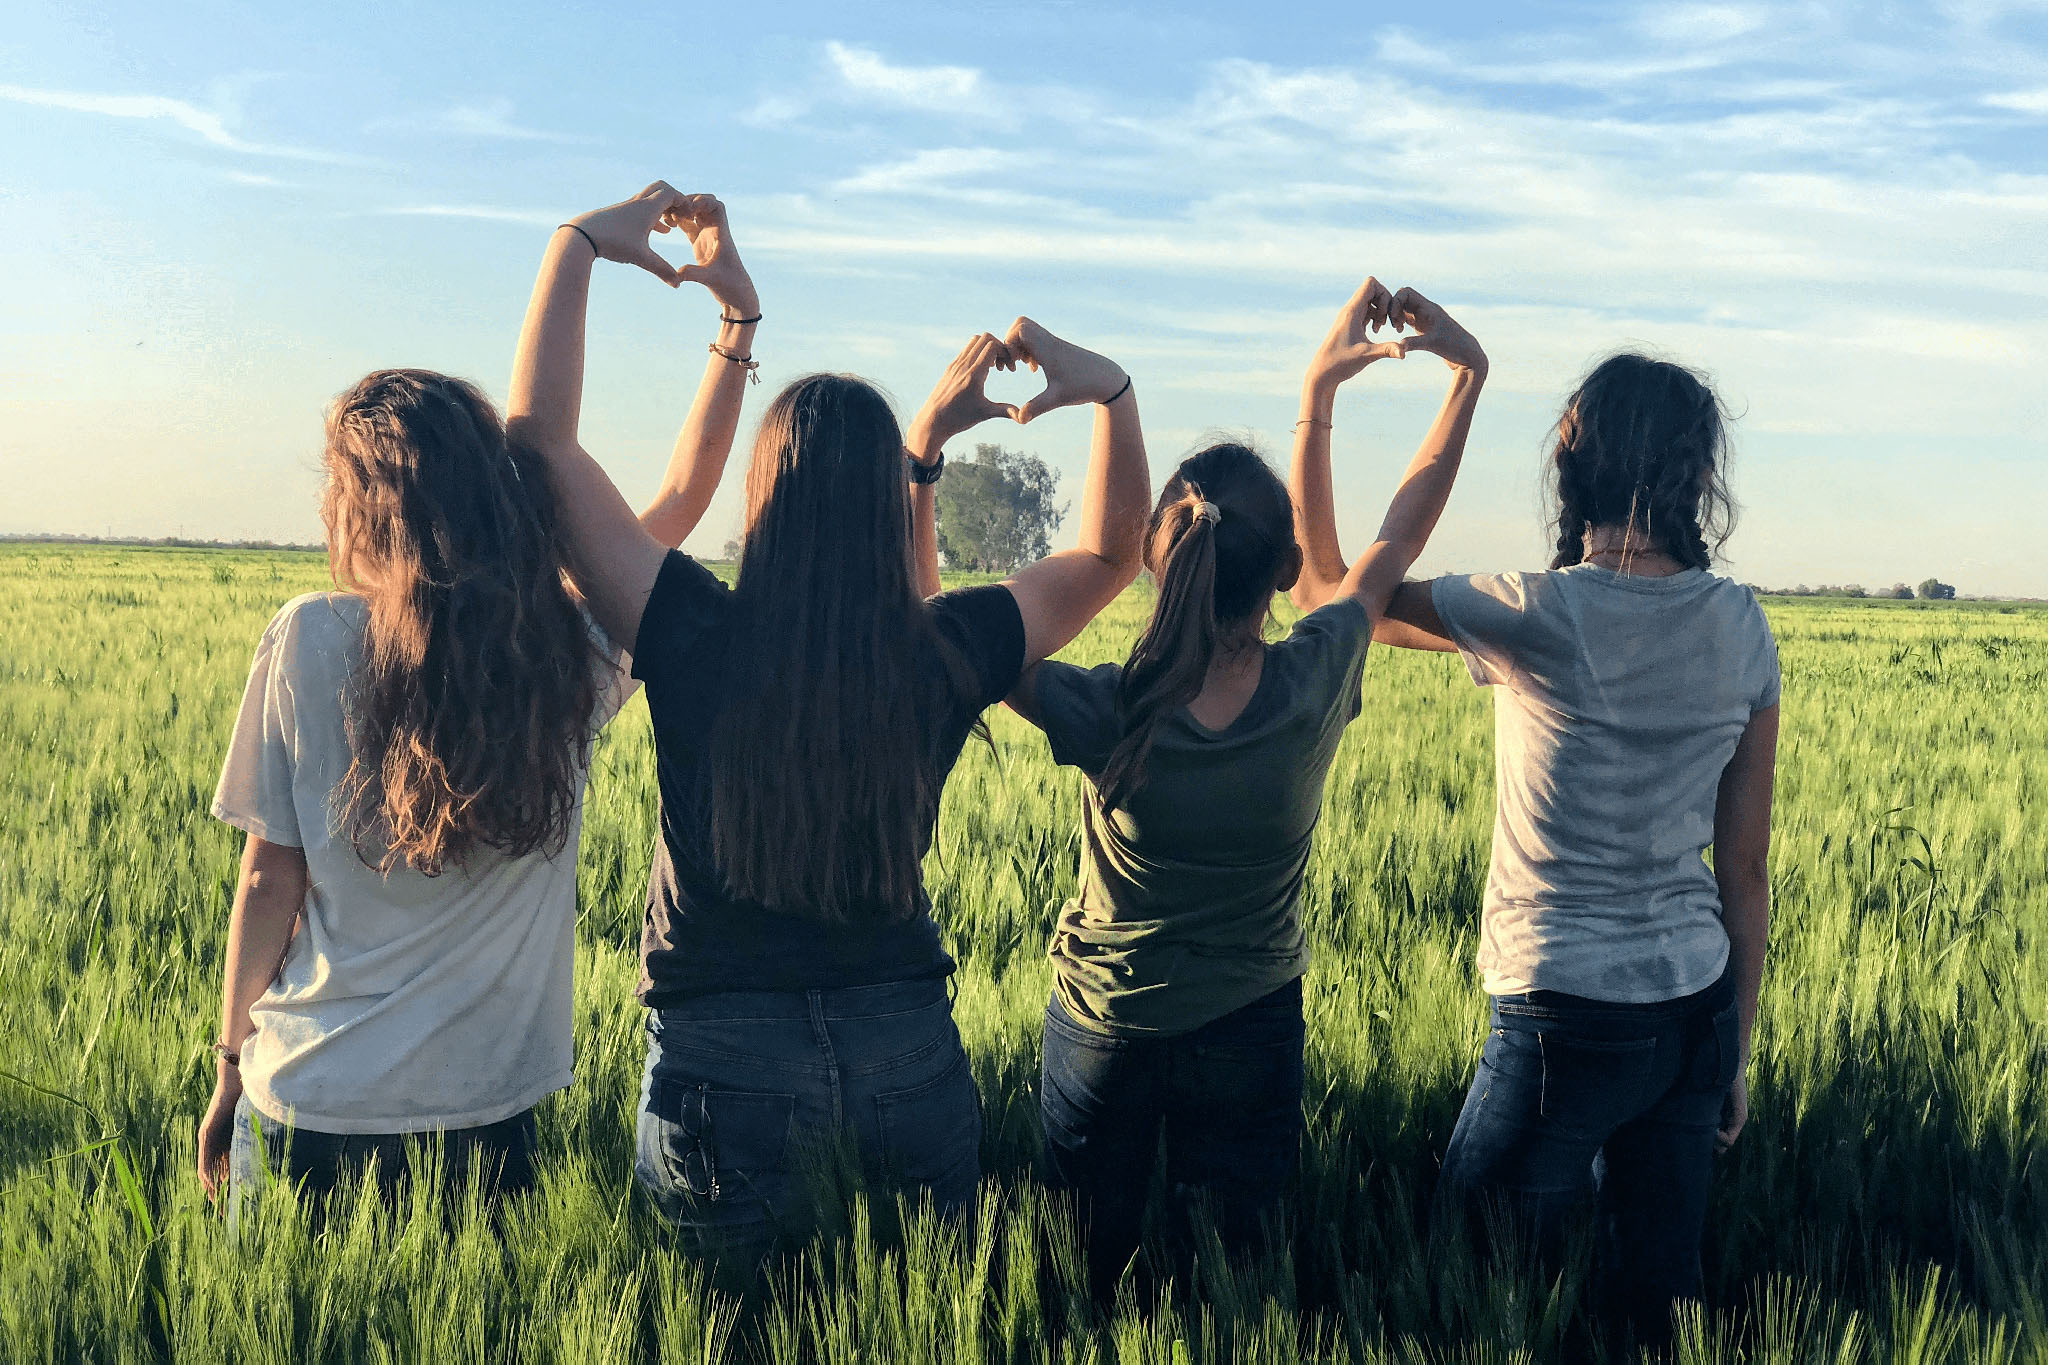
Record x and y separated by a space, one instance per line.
1643 445
468 713
824 774
1212 576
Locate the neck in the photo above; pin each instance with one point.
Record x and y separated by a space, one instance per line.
1629 550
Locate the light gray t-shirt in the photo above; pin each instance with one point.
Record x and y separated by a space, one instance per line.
1619 700
406 1003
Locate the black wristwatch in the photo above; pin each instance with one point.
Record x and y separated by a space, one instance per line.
925 473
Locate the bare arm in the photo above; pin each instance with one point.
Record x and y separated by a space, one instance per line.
268 898
1742 868
1059 595
705 443
1426 486
1344 353
957 404
1411 621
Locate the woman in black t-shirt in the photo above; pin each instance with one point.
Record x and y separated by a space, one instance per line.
804 725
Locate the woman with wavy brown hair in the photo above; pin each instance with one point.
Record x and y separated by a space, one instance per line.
409 765
805 721
1636 708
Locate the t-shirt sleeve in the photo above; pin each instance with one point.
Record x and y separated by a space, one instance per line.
1325 655
255 791
1076 707
687 598
984 624
1491 618
616 681
1768 679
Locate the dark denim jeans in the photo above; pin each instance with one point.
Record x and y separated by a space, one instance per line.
315 1162
1227 1095
742 1088
1576 1096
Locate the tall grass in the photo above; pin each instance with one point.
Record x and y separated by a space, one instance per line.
1887 1203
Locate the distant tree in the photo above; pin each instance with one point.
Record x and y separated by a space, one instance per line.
1934 590
732 550
1854 590
996 510
1900 591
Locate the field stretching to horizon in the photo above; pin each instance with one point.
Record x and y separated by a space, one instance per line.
1889 1201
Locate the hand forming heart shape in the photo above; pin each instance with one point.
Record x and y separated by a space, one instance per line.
1349 347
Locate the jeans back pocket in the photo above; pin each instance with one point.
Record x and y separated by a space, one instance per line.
931 1135
1591 1086
722 1144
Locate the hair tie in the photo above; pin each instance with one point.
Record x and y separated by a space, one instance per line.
1208 511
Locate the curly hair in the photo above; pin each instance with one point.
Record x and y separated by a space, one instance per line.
469 712
1211 575
1642 444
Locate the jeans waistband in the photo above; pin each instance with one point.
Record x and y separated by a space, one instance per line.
846 1002
1558 1005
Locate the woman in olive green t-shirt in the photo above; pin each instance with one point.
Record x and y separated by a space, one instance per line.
1177 967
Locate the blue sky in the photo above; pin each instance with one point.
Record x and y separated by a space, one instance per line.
215 217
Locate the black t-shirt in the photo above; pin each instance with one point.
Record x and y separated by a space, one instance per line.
700 939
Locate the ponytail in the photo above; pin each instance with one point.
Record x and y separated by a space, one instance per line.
1170 663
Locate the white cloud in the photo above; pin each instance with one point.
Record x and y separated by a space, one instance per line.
493 119
486 213
2021 101
210 127
930 168
867 73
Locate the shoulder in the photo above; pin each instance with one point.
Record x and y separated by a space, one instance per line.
687 599
1342 616
985 624
315 623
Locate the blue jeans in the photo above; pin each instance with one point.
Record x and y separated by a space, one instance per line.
315 1162
1227 1096
1577 1096
742 1088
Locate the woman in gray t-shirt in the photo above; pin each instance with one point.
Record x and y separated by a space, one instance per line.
1636 706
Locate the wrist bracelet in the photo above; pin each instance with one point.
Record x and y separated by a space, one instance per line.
1317 421
745 362
585 236
740 322
228 1055
925 473
1119 393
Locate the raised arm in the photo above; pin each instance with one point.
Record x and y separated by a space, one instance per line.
957 403
1426 486
1060 594
705 443
1742 867
268 898
614 558
1345 352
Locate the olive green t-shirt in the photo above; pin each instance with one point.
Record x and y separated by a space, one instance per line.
1190 896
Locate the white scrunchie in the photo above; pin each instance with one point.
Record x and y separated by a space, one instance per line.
1209 512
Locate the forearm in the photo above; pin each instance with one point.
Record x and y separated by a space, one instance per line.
924 537
1118 492
268 899
1311 488
1425 486
546 401
1746 912
702 448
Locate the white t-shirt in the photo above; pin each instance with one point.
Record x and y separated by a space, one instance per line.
406 1003
1618 701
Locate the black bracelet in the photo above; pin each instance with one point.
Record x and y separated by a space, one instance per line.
925 473
740 322
585 236
1119 393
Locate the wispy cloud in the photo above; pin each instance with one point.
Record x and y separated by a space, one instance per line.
486 120
210 127
868 73
486 213
2020 101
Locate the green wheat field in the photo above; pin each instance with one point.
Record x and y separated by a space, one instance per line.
1888 1203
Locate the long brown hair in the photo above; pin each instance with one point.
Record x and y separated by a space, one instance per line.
1212 575
1642 445
469 711
824 773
